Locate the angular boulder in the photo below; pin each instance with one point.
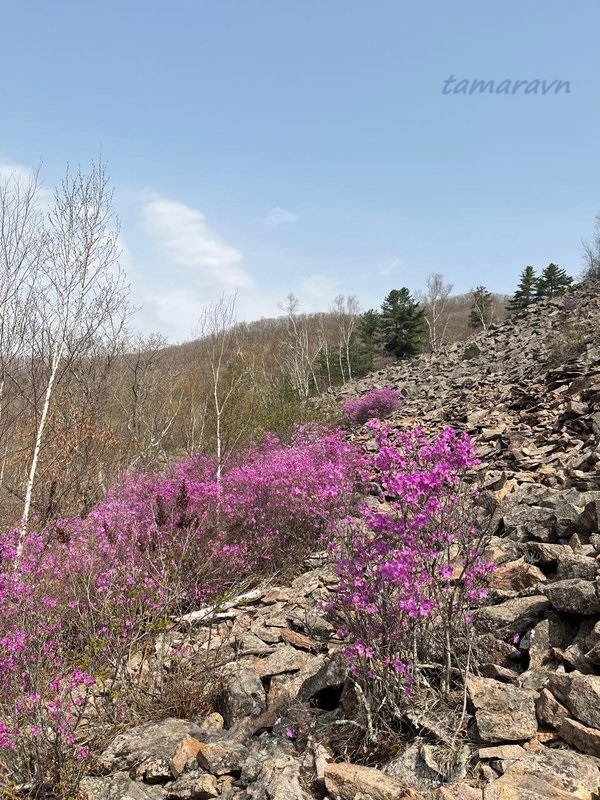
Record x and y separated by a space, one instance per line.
349 781
243 695
580 694
573 596
503 713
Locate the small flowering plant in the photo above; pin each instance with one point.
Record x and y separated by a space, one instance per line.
410 567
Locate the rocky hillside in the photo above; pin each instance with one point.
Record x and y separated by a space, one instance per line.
528 392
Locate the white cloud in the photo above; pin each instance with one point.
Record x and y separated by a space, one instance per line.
18 171
279 216
22 174
188 241
175 312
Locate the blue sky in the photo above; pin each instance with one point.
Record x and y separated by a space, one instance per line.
269 146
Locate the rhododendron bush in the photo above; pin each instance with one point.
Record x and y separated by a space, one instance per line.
83 598
410 568
374 404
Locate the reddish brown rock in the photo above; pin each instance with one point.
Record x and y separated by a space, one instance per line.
580 736
222 758
580 694
549 711
347 781
186 749
516 575
503 713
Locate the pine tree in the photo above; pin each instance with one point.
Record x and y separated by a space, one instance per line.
526 291
553 281
482 308
368 330
401 324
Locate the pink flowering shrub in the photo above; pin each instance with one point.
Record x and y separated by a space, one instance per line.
410 568
279 505
375 404
82 604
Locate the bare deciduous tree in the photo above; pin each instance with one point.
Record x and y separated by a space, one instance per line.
300 353
483 308
216 328
346 311
79 296
21 243
434 300
149 395
591 254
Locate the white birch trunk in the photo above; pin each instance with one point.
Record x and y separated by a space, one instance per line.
39 437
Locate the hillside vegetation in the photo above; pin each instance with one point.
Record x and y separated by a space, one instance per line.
160 636
453 611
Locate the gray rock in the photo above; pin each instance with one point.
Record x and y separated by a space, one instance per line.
193 785
566 516
491 650
424 766
243 695
411 769
573 596
546 775
513 616
552 632
118 787
279 779
544 552
285 659
576 566
471 351
153 770
153 740
523 520
331 677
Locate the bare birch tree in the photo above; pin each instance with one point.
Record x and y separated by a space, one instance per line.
216 328
300 354
324 349
21 243
345 311
80 293
591 254
434 300
483 308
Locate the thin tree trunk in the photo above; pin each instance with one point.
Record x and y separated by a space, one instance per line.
348 357
218 433
341 363
56 359
327 363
